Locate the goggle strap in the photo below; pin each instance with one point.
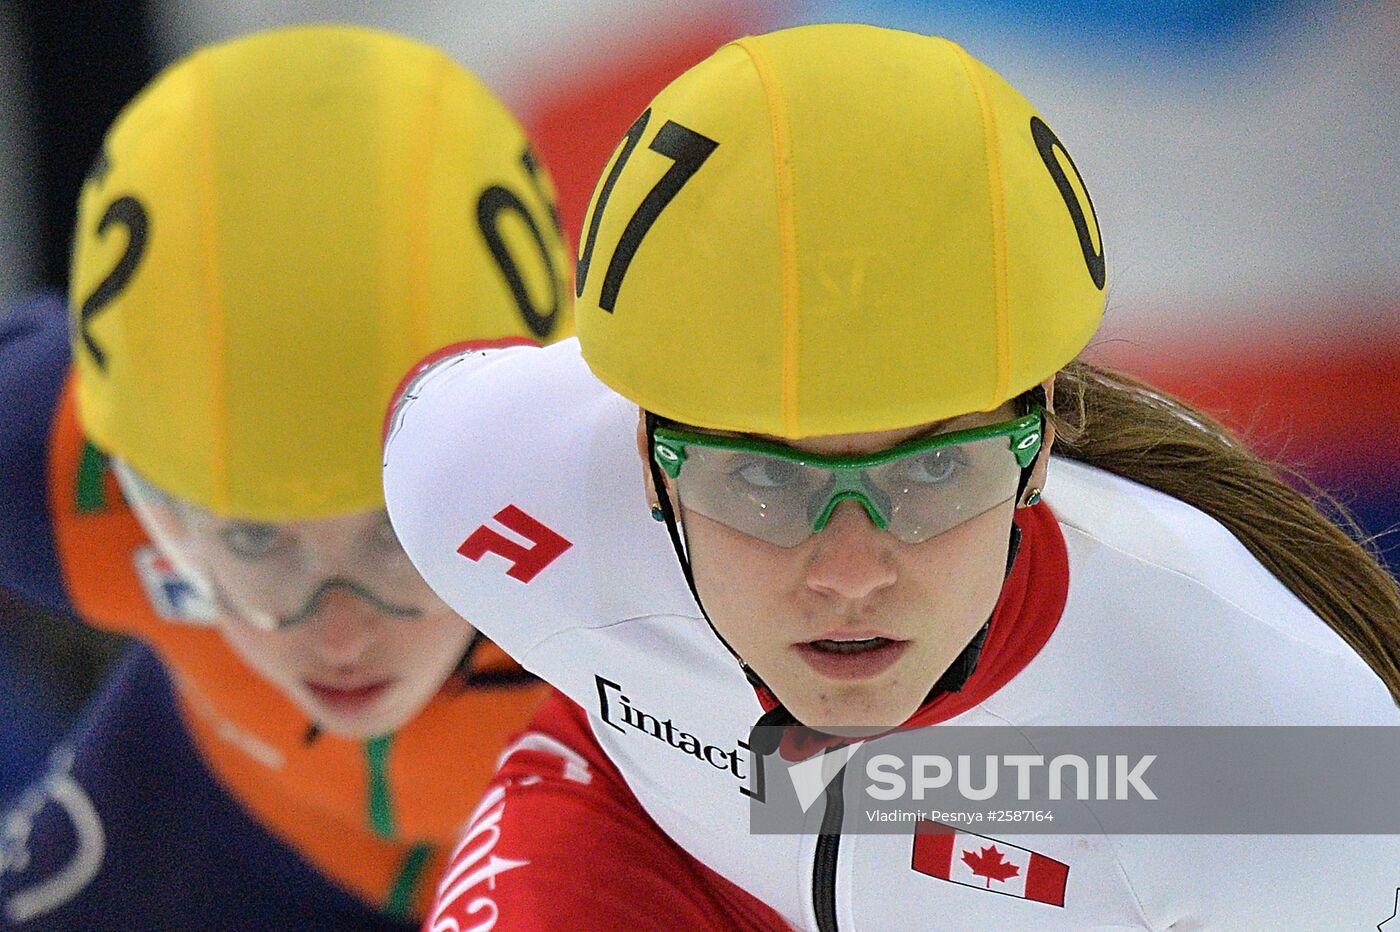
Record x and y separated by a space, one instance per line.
961 669
663 500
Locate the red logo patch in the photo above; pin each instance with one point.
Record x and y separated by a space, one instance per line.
525 562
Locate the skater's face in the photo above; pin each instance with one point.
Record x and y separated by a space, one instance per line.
329 610
851 626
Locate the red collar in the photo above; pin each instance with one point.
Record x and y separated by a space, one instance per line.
1023 620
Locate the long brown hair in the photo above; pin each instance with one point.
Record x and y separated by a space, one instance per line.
1122 425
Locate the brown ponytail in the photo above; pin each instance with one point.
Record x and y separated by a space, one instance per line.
1124 426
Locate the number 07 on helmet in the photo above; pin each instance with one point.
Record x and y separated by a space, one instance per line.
764 254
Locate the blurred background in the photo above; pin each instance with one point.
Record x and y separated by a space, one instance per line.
1242 158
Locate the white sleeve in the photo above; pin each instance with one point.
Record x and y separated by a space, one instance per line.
1252 882
513 480
429 479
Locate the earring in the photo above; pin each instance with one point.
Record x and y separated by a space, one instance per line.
656 513
1033 498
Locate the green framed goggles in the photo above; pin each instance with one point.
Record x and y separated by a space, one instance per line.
915 490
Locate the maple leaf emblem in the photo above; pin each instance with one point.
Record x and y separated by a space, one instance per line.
990 863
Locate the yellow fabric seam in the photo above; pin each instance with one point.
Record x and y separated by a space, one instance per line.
997 203
216 323
420 233
787 231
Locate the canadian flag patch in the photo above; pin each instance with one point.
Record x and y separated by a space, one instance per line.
977 861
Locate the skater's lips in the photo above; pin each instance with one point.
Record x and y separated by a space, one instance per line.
348 698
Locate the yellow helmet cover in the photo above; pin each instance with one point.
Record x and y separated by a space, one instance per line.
836 229
277 228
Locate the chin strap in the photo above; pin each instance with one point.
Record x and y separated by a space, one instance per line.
953 678
663 499
960 670
678 544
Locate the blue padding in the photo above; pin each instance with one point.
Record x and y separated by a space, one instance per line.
33 366
167 846
30 723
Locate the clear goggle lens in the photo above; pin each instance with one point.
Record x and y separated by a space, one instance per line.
277 574
916 490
